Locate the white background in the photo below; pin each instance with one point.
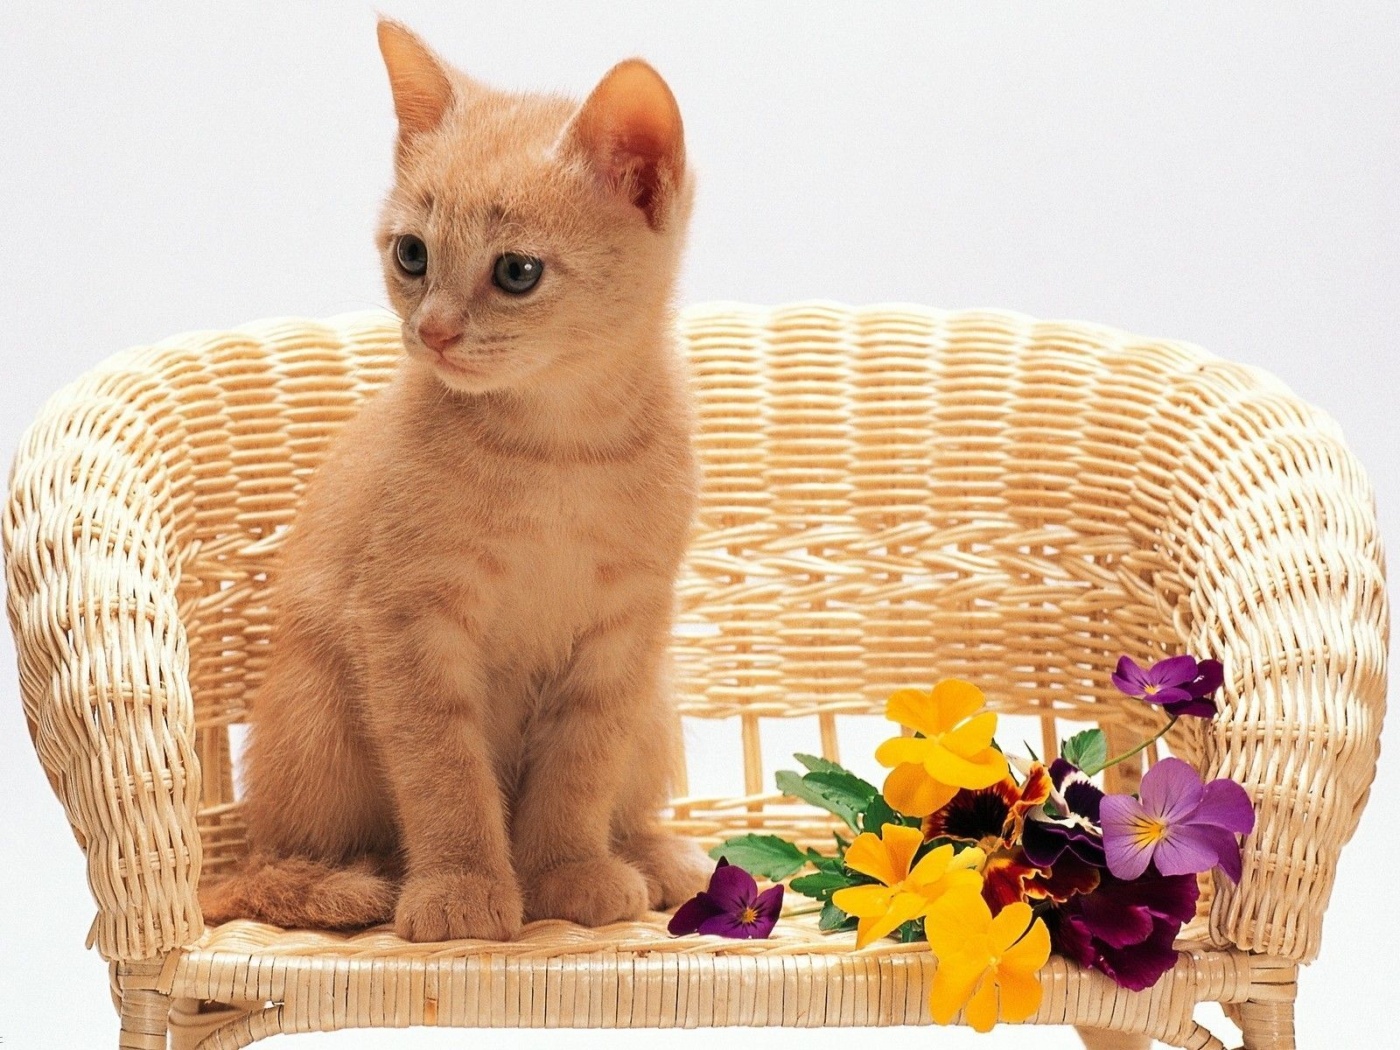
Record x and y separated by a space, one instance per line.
1225 174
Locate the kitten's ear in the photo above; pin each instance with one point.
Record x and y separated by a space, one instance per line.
629 131
422 89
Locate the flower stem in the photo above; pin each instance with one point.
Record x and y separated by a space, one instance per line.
1137 750
803 911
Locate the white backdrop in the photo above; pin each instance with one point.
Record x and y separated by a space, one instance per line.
1225 174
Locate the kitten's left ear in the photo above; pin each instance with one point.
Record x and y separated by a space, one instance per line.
629 131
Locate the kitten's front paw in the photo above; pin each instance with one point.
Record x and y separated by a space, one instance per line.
676 869
449 906
591 892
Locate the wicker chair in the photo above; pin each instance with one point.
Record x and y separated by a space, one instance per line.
892 494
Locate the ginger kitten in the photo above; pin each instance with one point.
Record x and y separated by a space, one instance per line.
467 719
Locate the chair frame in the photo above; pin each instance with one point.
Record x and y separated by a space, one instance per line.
892 494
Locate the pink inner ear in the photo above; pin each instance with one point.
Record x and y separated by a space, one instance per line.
642 165
630 129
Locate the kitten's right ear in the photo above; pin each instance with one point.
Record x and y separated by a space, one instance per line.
418 78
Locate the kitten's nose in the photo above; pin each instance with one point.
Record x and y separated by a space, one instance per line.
438 334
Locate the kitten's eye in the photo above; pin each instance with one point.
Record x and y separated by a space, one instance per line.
516 273
412 255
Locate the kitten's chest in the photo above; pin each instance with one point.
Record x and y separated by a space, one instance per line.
576 545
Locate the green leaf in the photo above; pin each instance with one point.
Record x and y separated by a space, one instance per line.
859 791
823 884
878 814
1087 750
766 856
833 918
913 930
844 794
824 863
816 764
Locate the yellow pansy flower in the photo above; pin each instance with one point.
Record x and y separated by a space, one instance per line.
905 894
989 964
955 749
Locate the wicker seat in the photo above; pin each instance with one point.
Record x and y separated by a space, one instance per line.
892 495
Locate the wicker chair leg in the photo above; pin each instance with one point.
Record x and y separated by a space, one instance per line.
192 1021
1104 1039
1267 1025
145 1019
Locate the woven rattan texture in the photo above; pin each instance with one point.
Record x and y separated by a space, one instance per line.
892 495
633 975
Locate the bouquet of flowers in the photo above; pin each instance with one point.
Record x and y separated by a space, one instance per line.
997 861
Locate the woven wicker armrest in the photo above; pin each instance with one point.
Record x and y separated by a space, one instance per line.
1278 569
103 660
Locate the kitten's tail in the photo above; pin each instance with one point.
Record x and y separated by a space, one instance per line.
293 892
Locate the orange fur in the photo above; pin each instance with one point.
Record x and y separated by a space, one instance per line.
474 603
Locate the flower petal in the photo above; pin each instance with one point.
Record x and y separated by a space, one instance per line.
1020 992
732 888
1073 939
1172 898
909 789
1141 965
691 914
900 844
1128 848
939 863
1116 922
1226 849
971 736
973 815
1008 927
1005 880
1169 898
1225 804
903 907
1173 671
766 910
956 881
1035 791
864 902
933 865
953 983
1030 953
979 770
869 856
1129 677
724 924
1081 795
955 700
1069 877
1210 676
1169 696
957 923
900 749
1171 790
982 1007
1196 707
915 709
1042 841
1186 850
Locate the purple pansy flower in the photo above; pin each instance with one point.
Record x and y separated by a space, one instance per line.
1069 820
730 906
1126 929
1180 684
1181 824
